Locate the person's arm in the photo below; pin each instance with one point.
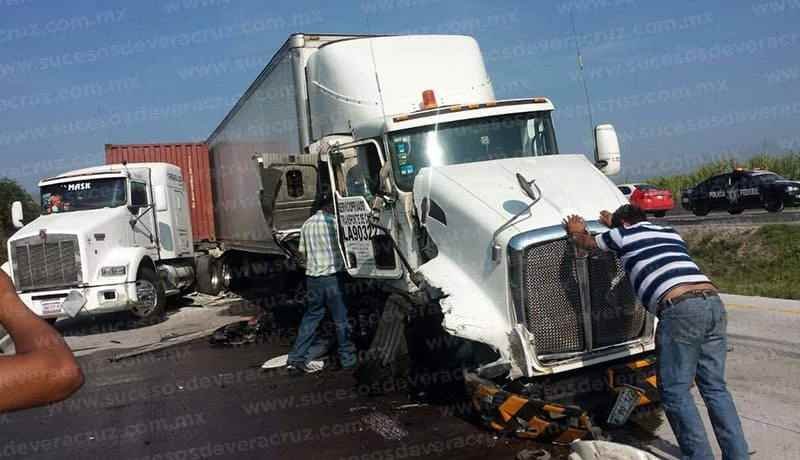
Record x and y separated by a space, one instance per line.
608 241
576 229
44 369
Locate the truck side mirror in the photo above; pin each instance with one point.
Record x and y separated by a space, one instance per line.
17 215
607 149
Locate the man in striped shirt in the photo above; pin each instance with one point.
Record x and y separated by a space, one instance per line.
324 286
691 340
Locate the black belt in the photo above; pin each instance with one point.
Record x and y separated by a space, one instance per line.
697 293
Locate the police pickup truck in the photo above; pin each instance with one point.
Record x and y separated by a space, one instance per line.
739 190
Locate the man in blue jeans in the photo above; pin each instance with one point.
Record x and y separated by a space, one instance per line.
691 341
324 278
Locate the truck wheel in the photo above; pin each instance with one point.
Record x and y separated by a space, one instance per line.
209 280
152 298
774 205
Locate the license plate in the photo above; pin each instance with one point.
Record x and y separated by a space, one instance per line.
627 400
52 307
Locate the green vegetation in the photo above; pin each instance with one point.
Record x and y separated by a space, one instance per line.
756 261
11 191
785 165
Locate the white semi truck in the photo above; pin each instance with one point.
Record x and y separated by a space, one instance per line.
450 200
110 238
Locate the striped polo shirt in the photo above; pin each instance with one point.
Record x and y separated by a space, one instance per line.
655 258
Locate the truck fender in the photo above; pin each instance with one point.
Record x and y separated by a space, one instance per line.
133 258
468 312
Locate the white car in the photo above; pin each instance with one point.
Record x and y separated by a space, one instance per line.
627 190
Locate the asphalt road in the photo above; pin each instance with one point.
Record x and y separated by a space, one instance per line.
194 401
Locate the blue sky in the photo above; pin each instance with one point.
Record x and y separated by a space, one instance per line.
683 82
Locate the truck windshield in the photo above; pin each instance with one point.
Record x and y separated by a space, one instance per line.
469 141
84 195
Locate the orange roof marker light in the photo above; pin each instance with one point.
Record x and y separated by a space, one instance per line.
429 100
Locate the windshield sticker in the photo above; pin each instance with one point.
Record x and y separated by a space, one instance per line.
406 170
401 147
78 186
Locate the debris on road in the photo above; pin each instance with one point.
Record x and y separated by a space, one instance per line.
538 454
276 363
604 450
237 334
385 426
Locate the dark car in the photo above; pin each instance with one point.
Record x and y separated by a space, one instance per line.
739 190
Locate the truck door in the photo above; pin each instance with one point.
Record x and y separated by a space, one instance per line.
354 171
289 189
748 192
144 231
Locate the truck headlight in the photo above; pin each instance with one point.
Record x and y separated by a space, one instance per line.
120 270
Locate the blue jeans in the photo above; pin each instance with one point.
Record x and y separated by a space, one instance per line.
322 291
691 343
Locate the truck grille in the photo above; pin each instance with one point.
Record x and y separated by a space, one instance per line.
558 315
53 263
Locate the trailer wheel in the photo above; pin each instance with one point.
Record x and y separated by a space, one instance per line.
209 280
152 300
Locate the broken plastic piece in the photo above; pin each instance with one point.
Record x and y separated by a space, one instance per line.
276 363
529 454
593 450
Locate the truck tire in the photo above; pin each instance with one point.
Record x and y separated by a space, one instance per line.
152 300
411 351
208 277
385 365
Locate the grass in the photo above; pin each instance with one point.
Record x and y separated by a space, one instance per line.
786 165
762 261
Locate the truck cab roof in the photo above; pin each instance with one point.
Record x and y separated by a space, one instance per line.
114 170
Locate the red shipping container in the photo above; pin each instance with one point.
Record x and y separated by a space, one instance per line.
195 162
